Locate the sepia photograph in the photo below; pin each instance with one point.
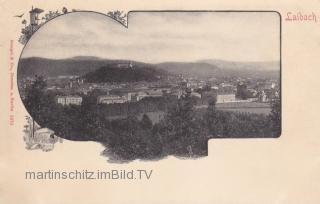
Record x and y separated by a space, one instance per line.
150 84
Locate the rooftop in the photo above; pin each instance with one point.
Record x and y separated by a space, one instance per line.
36 10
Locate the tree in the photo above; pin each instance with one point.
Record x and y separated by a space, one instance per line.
64 10
275 117
40 104
146 122
242 91
35 99
181 129
118 16
24 22
212 118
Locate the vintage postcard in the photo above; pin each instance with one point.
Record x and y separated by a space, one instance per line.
159 103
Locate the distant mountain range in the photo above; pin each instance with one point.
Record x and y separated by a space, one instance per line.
263 66
221 68
88 67
188 68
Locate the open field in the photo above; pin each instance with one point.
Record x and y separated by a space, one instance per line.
248 107
264 111
243 107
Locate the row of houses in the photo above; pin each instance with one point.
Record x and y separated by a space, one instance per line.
220 96
228 93
225 94
69 100
121 96
137 96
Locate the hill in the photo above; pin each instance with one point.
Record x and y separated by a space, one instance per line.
79 66
113 73
93 69
56 67
83 65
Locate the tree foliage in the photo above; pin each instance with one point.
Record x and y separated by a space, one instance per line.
275 117
183 131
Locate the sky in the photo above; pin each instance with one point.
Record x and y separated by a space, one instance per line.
155 37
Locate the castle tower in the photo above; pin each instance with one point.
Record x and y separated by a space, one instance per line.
34 20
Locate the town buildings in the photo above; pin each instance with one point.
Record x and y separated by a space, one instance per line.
226 97
69 100
70 90
111 99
